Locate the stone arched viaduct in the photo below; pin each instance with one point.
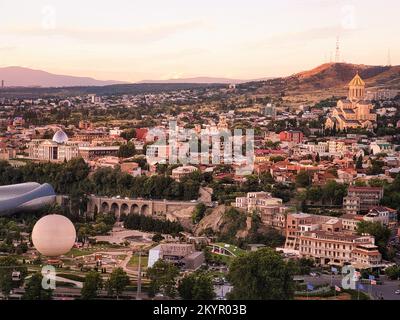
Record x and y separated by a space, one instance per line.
125 206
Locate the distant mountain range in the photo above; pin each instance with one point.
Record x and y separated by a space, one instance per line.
205 80
197 80
25 77
326 76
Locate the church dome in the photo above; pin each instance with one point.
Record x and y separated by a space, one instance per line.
60 137
357 81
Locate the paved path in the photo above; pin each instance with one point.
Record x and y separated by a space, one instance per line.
78 284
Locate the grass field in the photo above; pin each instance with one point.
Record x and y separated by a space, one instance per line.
134 262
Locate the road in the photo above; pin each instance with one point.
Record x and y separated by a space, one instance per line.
386 290
222 290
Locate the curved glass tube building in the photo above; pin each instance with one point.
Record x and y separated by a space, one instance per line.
25 197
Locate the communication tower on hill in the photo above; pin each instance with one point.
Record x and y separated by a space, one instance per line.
337 56
389 59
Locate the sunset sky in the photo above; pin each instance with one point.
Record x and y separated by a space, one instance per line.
162 39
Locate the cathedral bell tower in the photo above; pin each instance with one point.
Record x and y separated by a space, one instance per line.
356 89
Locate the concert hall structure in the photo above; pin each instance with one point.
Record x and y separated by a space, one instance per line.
25 197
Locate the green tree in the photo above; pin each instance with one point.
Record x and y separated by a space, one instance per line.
93 283
117 282
333 193
314 194
304 265
127 150
163 278
261 275
129 134
7 266
157 237
393 272
359 163
34 289
376 167
380 232
303 179
199 212
196 286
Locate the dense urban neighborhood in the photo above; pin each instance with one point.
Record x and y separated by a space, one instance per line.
165 206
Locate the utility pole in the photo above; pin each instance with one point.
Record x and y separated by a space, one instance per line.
139 280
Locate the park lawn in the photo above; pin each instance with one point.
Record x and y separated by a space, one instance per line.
81 252
134 261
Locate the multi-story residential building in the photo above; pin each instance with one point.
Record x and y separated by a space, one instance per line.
157 153
291 136
336 248
380 146
362 199
321 147
85 125
274 217
271 210
89 135
92 153
180 172
336 147
296 225
269 110
350 222
330 241
256 200
385 216
366 256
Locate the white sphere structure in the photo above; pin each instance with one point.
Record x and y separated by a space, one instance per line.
53 235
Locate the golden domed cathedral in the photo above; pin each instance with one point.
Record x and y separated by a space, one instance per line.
354 112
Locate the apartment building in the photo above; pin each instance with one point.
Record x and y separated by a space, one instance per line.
336 248
366 256
257 200
330 241
95 152
180 172
385 216
350 222
362 199
291 136
271 210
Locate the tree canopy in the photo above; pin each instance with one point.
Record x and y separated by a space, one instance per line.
163 276
196 286
261 275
